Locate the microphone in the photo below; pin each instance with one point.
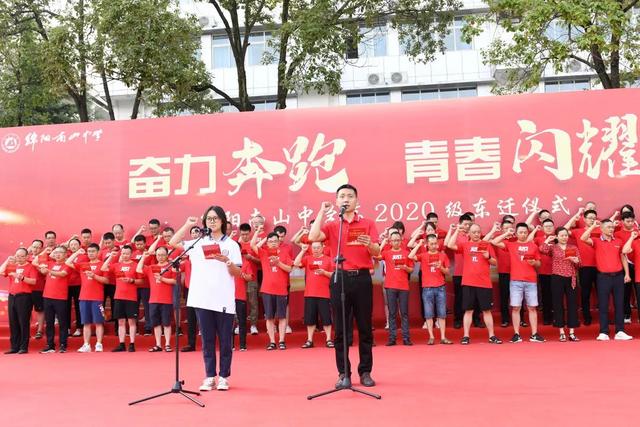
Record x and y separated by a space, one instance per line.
206 231
343 208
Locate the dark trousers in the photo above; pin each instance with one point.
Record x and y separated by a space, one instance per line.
544 281
216 325
561 288
503 284
398 299
587 277
457 299
56 308
192 322
241 312
358 289
628 290
143 297
421 301
611 283
20 306
74 294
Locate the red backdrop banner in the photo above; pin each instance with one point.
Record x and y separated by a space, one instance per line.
489 155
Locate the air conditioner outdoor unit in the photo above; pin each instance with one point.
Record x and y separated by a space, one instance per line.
398 77
575 66
206 22
375 79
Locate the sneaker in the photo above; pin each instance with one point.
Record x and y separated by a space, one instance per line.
48 349
465 341
243 348
119 348
86 348
132 348
78 333
236 331
38 335
436 324
536 338
99 347
63 349
627 320
386 326
223 384
254 330
523 324
208 384
602 337
622 336
495 340
516 338
288 330
424 325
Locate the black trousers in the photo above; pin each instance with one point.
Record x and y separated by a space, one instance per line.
457 299
56 308
398 299
192 322
607 284
74 294
503 284
241 313
544 281
358 289
561 288
628 290
20 306
587 277
216 325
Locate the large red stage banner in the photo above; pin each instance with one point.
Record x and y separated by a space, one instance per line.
489 155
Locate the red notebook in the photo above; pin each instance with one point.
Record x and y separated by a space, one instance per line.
527 257
210 251
434 258
354 233
483 245
272 252
569 252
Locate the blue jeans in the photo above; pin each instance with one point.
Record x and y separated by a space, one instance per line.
395 298
434 301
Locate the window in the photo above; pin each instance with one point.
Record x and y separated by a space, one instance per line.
567 85
439 93
453 40
368 98
260 105
373 42
222 55
258 45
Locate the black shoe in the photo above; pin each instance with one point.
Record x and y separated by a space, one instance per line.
407 342
187 349
147 333
48 349
390 343
119 348
132 348
11 352
23 351
504 324
457 324
366 380
516 338
536 338
523 324
465 341
63 349
495 340
343 382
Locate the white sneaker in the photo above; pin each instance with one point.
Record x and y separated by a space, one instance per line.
254 330
288 330
627 320
236 331
208 384
386 325
622 336
223 384
98 347
86 348
602 337
424 325
436 324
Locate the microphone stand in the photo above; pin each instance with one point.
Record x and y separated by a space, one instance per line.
177 386
346 381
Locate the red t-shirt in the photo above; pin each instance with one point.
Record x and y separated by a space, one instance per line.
458 257
252 266
135 256
608 255
161 292
587 253
636 258
56 287
275 281
518 254
74 276
40 278
395 277
185 268
476 267
623 234
432 277
546 261
503 258
102 256
316 285
241 283
20 286
121 243
90 289
124 290
356 256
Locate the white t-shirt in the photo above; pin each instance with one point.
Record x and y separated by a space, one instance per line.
211 286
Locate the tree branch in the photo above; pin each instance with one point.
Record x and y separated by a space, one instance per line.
209 86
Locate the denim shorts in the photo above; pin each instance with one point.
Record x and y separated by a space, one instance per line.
519 290
435 302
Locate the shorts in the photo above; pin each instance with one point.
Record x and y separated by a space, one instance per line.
91 312
474 294
519 290
274 306
434 300
314 306
38 302
125 309
161 314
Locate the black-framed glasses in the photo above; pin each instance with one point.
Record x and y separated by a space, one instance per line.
212 218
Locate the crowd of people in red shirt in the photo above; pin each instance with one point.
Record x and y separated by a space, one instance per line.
547 266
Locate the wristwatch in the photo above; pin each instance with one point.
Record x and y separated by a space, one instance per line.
229 263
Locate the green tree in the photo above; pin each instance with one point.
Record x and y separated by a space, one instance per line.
604 35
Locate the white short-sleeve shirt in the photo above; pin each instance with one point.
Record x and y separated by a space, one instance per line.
211 286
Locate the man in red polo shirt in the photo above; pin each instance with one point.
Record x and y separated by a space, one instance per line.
398 267
38 288
539 235
246 275
613 273
632 250
22 277
276 266
504 270
357 249
627 226
476 279
461 232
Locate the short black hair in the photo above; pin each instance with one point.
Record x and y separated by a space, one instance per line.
559 229
589 212
464 217
627 207
126 247
273 234
154 221
37 240
394 233
86 231
163 247
117 225
94 246
432 236
605 221
522 224
543 211
26 252
245 227
547 220
50 232
511 218
348 187
77 240
108 236
140 238
169 229
429 224
627 214
398 225
280 229
506 221
432 215
195 227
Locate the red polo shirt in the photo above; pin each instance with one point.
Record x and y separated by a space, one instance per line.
432 277
608 254
125 290
356 256
636 258
476 266
241 284
57 287
20 286
458 257
546 261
